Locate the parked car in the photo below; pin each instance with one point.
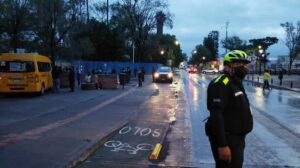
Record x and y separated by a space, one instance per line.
163 74
210 71
191 69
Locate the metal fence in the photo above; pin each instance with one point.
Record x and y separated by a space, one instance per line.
107 67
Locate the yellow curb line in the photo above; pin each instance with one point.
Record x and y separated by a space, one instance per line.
155 152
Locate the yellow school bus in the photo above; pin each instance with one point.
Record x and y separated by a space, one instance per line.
26 72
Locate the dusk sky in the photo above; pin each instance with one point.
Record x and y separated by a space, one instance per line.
248 19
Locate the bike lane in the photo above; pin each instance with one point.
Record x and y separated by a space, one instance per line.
132 145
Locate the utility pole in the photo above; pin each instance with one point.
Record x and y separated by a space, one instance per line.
227 23
107 11
133 49
87 11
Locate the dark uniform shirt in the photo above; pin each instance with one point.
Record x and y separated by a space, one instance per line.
229 108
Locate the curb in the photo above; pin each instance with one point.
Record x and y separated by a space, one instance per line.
89 149
158 147
93 147
273 86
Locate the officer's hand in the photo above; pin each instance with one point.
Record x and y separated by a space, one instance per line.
224 153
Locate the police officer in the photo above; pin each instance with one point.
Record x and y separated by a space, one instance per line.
230 117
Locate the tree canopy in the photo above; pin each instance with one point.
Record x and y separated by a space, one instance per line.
211 42
235 43
65 29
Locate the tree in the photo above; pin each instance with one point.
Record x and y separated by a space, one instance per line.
15 22
160 48
100 10
200 55
234 43
211 42
108 44
54 20
138 18
292 40
260 46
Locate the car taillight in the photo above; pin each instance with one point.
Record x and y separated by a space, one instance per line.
170 75
36 79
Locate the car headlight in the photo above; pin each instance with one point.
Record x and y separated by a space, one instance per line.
170 75
156 75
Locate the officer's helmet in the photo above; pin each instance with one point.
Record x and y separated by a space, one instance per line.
236 56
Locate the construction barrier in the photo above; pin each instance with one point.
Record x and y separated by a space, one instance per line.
108 81
64 80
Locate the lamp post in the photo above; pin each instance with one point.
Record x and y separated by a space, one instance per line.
260 57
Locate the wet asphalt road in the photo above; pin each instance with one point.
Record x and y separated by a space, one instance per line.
275 139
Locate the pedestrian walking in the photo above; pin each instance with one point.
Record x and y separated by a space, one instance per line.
78 76
56 79
153 73
71 79
266 77
128 74
280 77
135 72
230 117
140 78
113 71
143 74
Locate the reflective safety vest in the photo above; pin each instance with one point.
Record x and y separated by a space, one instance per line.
266 76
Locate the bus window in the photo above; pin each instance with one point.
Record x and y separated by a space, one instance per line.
44 67
17 66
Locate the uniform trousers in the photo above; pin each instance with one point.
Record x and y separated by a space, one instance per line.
236 144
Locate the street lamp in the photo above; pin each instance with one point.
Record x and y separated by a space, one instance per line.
169 49
260 57
203 61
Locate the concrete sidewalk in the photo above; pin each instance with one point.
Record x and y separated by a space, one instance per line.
289 82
